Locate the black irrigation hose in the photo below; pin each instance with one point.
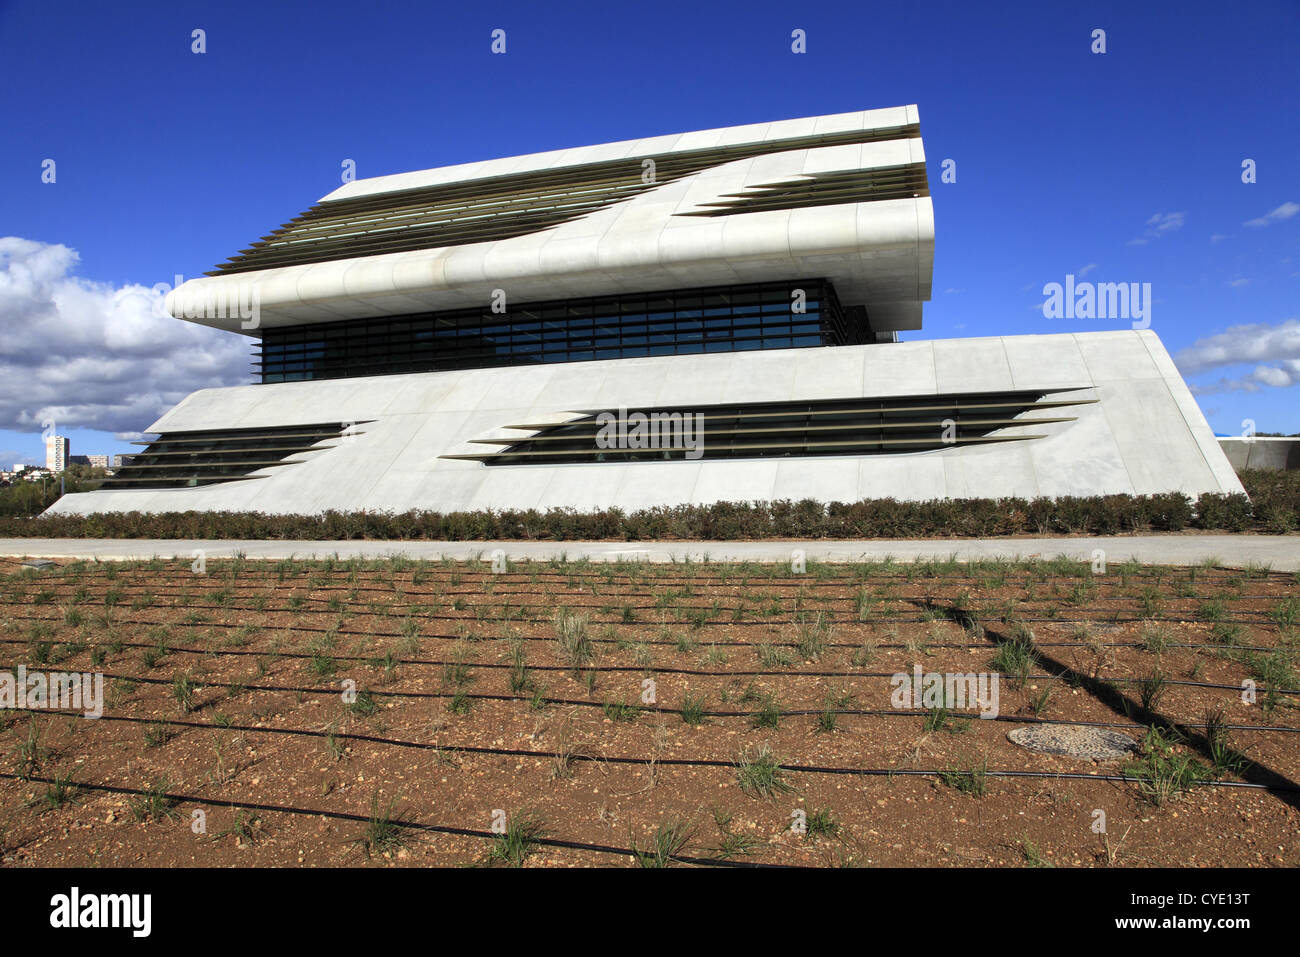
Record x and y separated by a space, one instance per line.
744 623
321 629
574 702
396 822
618 669
676 762
715 763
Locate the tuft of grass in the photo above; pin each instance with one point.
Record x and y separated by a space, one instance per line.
971 780
320 666
1033 856
1015 659
1151 689
156 734
247 827
1213 610
1277 671
813 635
692 709
571 634
32 754
775 656
821 823
1154 637
768 715
1224 759
864 653
734 845
518 674
827 720
59 792
1286 612
154 804
668 842
1163 773
385 831
622 711
513 846
759 773
183 689
364 705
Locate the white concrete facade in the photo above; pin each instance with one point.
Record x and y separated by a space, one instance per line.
878 254
1144 434
1139 432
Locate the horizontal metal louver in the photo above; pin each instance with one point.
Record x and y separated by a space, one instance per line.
824 189
498 207
193 458
866 426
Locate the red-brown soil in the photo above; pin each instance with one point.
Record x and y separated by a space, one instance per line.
225 691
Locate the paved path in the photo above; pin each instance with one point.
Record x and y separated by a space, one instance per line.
1282 552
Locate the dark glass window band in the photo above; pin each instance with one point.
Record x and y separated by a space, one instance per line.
676 322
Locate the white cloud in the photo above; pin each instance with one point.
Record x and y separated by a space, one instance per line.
1285 211
1161 224
1258 343
1234 283
1218 238
91 355
1086 269
1281 376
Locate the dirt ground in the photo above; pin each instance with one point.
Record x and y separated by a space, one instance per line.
397 713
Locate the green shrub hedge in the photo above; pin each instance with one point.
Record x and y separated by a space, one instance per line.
1274 507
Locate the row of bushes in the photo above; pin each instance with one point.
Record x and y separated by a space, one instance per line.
1274 507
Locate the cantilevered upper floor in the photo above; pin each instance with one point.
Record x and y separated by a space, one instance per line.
844 198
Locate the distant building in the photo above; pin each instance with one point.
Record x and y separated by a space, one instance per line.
56 452
98 461
120 460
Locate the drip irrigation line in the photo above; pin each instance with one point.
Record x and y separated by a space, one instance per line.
542 840
320 629
688 672
564 702
712 763
684 762
731 622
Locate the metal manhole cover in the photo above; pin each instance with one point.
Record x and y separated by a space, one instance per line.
1075 741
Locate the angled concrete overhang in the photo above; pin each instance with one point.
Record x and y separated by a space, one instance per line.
843 196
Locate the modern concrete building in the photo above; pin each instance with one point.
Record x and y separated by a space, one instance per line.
681 319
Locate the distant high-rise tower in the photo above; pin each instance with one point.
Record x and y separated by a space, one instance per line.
56 452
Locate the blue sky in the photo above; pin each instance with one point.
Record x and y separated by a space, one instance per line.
1122 166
